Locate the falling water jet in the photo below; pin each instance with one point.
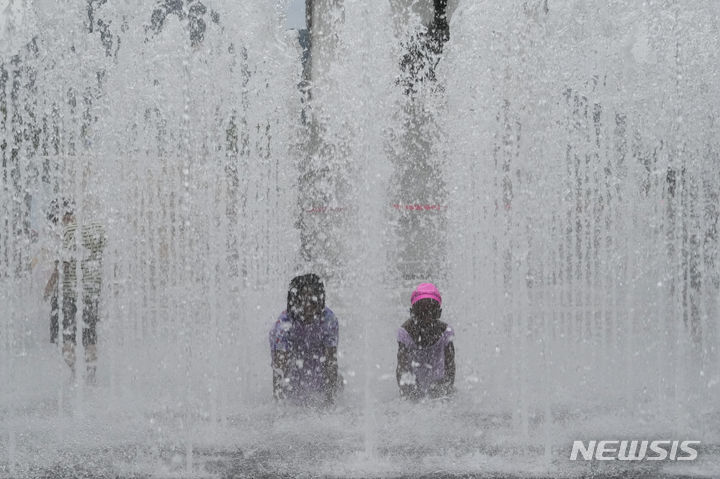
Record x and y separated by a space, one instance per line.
189 454
502 103
12 450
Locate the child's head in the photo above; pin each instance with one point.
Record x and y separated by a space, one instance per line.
62 210
426 302
306 297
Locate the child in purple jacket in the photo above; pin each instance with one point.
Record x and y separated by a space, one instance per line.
426 355
303 346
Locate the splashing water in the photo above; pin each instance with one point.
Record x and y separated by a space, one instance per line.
553 167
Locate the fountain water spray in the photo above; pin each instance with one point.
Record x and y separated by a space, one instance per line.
566 152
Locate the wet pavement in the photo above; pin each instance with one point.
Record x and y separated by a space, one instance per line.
135 463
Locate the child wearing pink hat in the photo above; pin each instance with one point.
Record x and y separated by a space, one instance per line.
426 354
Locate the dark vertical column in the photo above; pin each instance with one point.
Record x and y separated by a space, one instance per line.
421 193
323 181
304 222
684 213
309 4
305 38
440 29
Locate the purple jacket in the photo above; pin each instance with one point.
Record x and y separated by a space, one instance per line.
427 364
306 345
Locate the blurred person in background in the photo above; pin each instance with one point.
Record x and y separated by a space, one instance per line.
86 244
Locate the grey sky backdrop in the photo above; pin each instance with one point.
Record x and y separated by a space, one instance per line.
296 14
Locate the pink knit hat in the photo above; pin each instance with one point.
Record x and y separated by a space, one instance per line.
426 290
